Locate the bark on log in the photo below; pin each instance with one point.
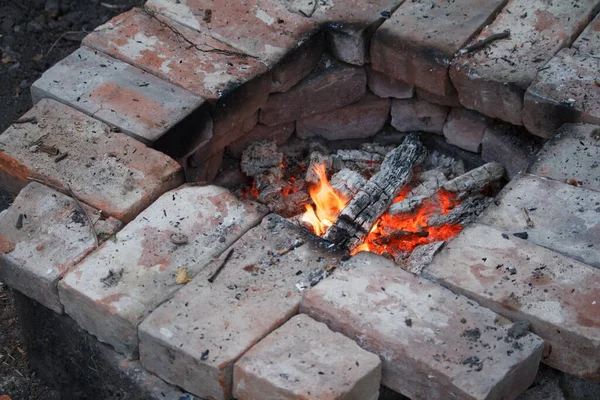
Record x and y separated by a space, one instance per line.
476 179
422 256
358 217
463 213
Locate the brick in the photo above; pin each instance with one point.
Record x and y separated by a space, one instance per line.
297 65
563 92
589 40
465 129
210 69
204 171
359 120
383 86
137 103
331 85
418 42
44 234
254 294
449 100
278 133
573 153
558 296
565 218
304 359
263 29
107 170
493 81
144 260
509 145
428 339
418 115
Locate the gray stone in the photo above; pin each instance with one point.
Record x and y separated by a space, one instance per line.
384 86
509 145
465 129
418 115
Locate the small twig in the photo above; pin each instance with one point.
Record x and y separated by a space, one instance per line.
297 243
30 120
114 6
60 157
530 223
485 42
59 38
218 271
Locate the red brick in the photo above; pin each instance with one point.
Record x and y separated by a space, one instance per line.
107 170
331 85
465 128
428 338
418 42
146 259
493 81
418 115
359 120
449 100
149 44
297 65
278 133
384 86
52 237
509 145
263 29
304 359
204 171
589 40
557 295
253 295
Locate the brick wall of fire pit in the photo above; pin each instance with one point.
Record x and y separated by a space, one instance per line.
167 173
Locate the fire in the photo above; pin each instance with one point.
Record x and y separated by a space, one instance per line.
393 234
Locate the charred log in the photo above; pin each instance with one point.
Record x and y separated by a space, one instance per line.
347 182
476 179
422 257
463 213
399 234
260 157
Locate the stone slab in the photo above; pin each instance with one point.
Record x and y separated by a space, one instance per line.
509 145
278 133
493 80
304 359
573 153
558 296
358 120
137 103
43 235
116 287
449 100
194 340
263 29
589 40
465 129
384 86
107 170
565 218
412 115
192 60
433 344
565 91
418 42
297 65
331 85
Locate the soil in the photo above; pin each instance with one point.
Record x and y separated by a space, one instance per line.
34 35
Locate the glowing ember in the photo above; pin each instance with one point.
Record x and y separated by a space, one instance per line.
250 193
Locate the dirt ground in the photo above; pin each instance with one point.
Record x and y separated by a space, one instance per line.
34 35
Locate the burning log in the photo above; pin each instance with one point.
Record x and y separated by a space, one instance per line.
406 206
399 234
422 256
261 157
360 214
431 182
476 179
347 182
316 158
463 213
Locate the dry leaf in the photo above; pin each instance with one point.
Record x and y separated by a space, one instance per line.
182 277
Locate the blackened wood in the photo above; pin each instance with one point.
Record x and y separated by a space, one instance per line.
399 234
463 213
475 179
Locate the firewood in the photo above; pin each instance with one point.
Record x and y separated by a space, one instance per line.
463 213
315 158
260 157
406 206
431 181
399 234
358 217
476 179
422 257
347 182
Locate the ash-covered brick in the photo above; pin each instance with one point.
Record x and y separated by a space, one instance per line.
194 339
509 145
433 344
195 61
297 65
553 214
278 133
556 295
573 154
123 96
42 236
107 170
117 286
465 129
418 115
331 85
358 120
384 86
304 359
418 42
493 80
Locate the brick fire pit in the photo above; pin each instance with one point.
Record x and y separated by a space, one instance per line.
139 269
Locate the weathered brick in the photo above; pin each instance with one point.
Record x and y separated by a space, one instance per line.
433 343
493 81
418 115
358 120
418 42
109 171
589 40
194 339
384 86
558 296
278 133
573 153
117 286
205 170
263 29
43 235
565 218
304 359
564 91
331 85
137 103
449 100
509 145
465 128
195 61
297 65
